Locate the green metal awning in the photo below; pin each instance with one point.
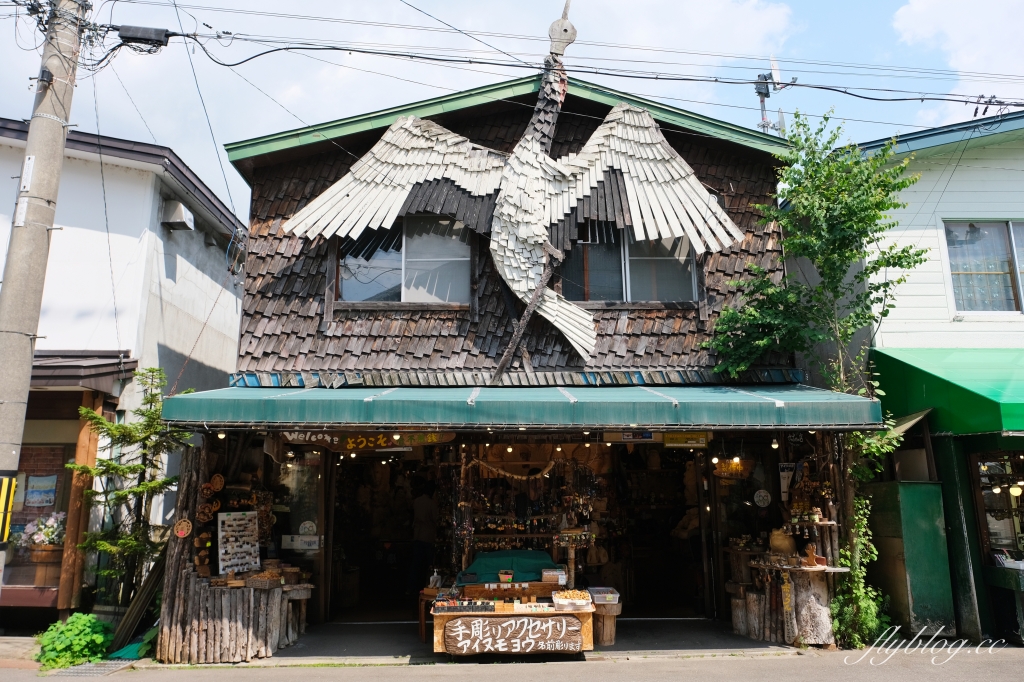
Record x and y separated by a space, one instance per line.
625 407
970 390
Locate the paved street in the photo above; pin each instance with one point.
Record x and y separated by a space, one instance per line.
809 666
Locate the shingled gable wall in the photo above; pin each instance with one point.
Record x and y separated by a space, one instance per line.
283 327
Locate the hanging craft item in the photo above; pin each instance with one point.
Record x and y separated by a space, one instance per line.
205 513
217 483
183 528
207 491
515 477
215 505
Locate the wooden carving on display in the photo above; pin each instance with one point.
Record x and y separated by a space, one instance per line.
534 192
466 635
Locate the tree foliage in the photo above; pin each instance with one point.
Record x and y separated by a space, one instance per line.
833 219
130 479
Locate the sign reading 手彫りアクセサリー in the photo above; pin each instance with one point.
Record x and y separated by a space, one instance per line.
514 635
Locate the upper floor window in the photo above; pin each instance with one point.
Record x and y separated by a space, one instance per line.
605 266
985 265
428 263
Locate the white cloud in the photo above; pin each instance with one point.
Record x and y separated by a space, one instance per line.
973 38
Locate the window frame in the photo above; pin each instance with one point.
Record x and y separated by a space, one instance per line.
1015 270
627 294
334 303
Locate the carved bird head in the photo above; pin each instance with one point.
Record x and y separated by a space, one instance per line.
562 32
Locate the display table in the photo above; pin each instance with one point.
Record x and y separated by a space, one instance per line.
470 633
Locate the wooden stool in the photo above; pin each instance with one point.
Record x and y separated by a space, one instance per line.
604 623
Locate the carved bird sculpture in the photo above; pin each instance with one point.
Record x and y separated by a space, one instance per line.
534 191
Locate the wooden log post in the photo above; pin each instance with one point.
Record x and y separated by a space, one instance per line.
739 615
274 620
755 615
813 616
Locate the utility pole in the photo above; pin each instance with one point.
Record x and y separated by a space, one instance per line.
21 293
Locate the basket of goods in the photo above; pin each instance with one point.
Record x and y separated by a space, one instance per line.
505 576
292 575
264 581
571 600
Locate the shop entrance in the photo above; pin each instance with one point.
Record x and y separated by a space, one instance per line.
644 505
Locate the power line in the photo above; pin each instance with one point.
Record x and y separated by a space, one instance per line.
216 148
497 49
912 96
106 218
622 46
143 118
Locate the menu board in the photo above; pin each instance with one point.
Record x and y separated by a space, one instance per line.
238 542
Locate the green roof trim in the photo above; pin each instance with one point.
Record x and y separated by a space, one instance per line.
970 390
792 406
290 139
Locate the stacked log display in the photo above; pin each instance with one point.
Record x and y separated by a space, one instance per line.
231 624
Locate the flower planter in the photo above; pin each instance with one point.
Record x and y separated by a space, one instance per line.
47 559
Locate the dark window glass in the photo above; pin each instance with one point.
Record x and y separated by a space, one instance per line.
593 272
377 279
661 270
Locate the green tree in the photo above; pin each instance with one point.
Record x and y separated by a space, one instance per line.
833 215
130 478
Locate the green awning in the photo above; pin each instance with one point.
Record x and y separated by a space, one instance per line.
970 390
625 407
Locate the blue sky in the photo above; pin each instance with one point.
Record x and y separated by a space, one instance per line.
918 34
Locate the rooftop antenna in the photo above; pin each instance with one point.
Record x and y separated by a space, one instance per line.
774 78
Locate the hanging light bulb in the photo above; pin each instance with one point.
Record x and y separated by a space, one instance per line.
1015 490
812 432
397 436
609 445
586 445
221 435
996 489
463 445
508 449
487 445
736 460
289 465
558 448
586 433
383 462
522 428
353 455
984 467
714 460
775 444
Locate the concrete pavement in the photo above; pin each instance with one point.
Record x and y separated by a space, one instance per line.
809 666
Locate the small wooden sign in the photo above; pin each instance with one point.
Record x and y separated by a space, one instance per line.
686 439
346 442
467 635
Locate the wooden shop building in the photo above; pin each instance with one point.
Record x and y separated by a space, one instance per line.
399 365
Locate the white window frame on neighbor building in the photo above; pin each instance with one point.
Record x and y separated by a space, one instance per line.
1016 264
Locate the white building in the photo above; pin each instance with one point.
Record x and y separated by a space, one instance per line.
138 276
951 353
969 292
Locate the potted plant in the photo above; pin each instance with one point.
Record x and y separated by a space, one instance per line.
44 540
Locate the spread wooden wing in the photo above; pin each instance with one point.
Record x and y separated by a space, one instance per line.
665 197
373 193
